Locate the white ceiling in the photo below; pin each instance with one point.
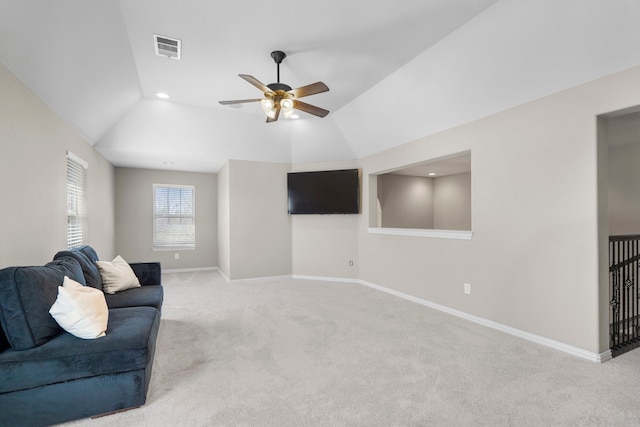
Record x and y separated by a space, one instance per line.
397 71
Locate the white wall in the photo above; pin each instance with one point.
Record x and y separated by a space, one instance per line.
533 261
33 173
134 217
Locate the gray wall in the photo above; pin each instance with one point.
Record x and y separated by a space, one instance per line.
624 189
323 245
34 143
442 203
259 228
134 217
406 201
452 202
224 222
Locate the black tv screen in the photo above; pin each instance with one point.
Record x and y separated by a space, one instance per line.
324 192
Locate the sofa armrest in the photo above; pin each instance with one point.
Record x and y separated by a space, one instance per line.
148 273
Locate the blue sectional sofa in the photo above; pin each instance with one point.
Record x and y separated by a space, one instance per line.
50 376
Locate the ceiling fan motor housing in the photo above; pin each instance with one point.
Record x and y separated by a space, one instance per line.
279 86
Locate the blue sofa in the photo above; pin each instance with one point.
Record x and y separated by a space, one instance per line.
50 376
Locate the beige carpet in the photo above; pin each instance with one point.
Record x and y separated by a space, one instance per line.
291 352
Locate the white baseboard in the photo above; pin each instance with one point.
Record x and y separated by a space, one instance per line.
557 345
326 279
256 279
189 270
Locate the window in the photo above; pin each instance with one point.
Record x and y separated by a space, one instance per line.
174 222
76 201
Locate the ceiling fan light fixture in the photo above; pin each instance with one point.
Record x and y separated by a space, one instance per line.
268 107
287 105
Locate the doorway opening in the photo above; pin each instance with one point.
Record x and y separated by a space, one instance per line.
619 226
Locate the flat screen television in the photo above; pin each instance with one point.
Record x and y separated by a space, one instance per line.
324 192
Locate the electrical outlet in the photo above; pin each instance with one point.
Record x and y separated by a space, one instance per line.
467 288
350 263
177 256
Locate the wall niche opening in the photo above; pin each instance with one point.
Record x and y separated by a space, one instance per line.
430 195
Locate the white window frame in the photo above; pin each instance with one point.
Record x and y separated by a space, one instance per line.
164 243
76 201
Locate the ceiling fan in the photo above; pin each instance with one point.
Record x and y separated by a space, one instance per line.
279 97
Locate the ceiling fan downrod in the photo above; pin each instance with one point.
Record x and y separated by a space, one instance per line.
278 56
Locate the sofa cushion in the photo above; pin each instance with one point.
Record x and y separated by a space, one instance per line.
148 273
4 343
129 345
80 310
143 296
87 258
26 294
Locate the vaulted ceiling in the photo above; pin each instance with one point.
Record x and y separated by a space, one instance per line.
397 71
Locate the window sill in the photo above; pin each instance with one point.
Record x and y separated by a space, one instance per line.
174 248
441 234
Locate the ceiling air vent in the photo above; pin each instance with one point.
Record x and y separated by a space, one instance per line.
168 47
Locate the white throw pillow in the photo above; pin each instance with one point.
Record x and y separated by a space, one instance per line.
80 310
117 275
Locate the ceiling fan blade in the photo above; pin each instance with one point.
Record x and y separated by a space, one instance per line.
240 101
275 118
311 109
257 83
307 90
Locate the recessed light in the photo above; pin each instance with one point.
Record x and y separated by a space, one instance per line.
162 95
168 163
432 174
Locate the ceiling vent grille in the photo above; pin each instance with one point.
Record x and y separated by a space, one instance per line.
167 47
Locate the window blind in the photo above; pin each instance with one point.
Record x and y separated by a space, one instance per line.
174 224
76 201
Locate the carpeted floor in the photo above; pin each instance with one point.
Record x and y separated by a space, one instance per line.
286 352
